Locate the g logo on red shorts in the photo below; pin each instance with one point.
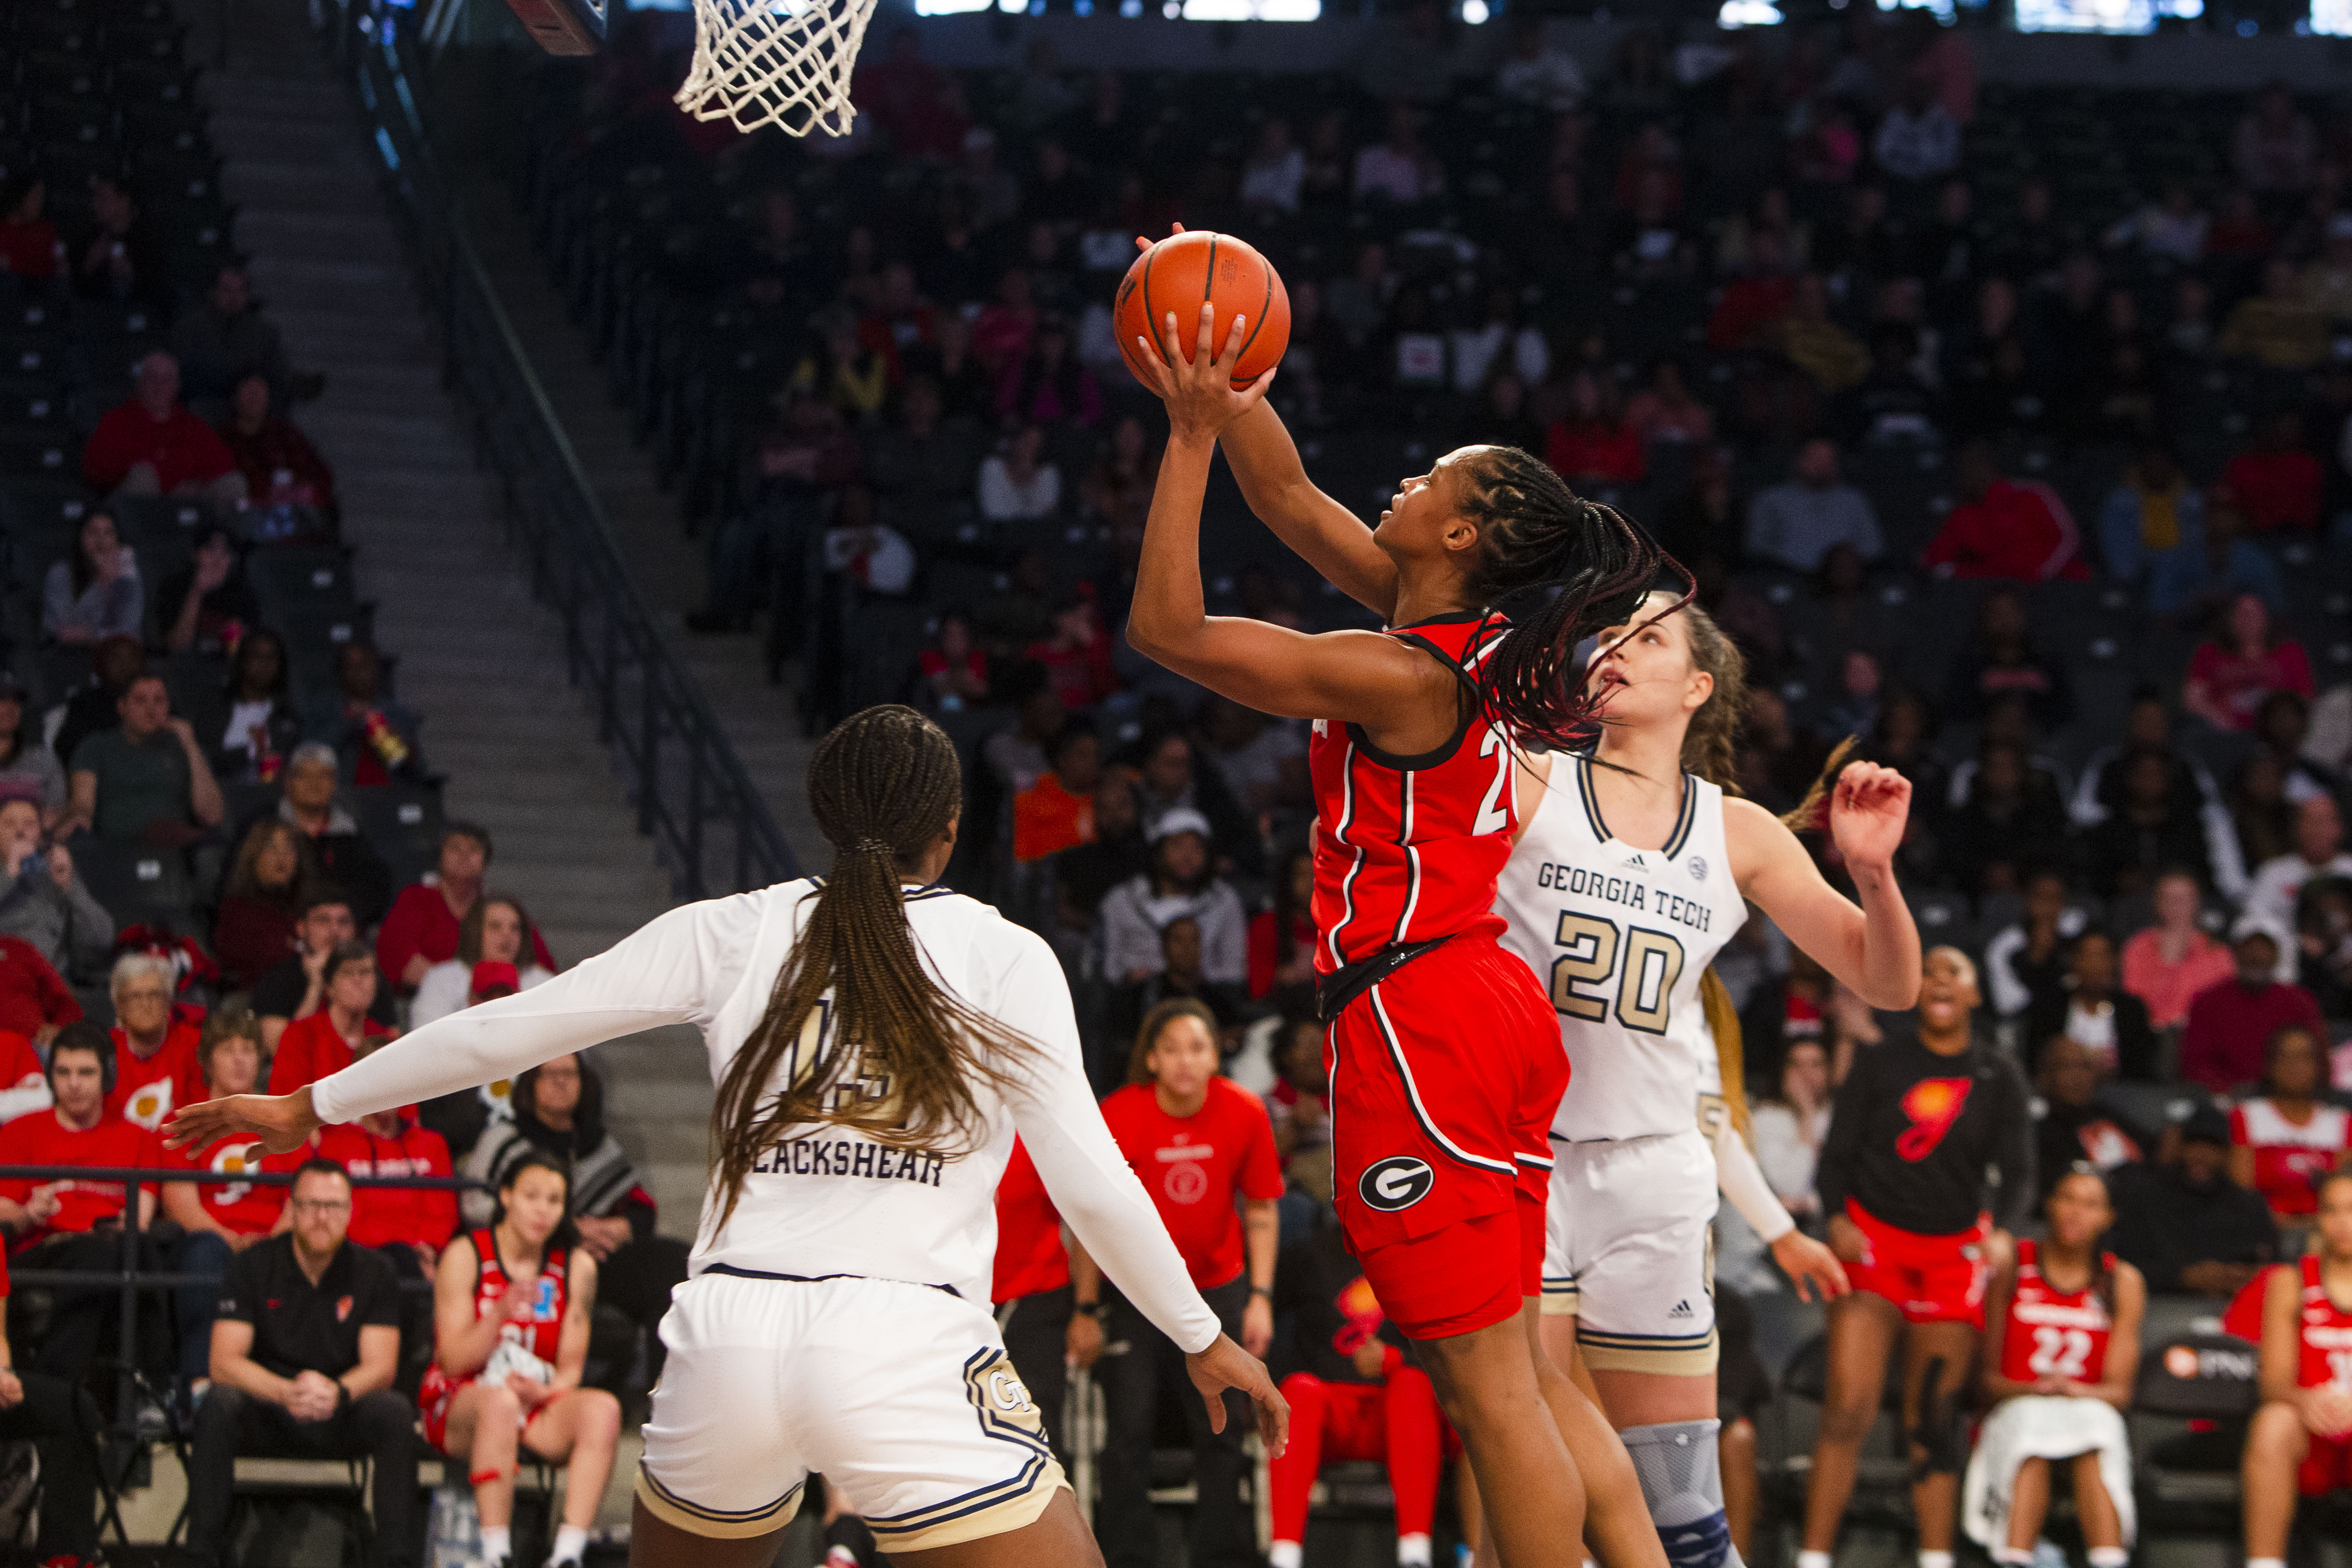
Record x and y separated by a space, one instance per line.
1396 1182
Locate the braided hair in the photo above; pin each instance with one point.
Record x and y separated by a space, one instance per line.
1535 535
884 785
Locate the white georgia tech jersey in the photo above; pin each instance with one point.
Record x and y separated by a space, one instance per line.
823 1199
1619 938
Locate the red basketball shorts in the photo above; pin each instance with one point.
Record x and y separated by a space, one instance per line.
1933 1278
2327 1466
1444 1079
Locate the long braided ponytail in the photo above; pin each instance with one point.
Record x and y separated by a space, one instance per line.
867 1038
1537 535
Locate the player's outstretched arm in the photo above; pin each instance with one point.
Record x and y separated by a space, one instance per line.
1875 948
283 1122
1359 677
1225 1364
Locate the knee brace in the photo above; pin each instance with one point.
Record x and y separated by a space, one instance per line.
1681 1482
1941 1437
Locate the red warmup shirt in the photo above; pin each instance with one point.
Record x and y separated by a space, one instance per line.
2290 1156
2229 1025
2020 531
1030 1257
420 921
1195 1167
183 448
32 994
146 1091
380 1216
310 1049
43 1139
2276 489
243 1206
20 1063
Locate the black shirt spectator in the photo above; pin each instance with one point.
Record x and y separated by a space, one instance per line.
114 663
2089 1007
303 1357
338 847
2153 826
2185 1224
2072 1126
1939 1192
2003 663
296 987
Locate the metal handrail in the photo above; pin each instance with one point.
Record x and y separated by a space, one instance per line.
693 795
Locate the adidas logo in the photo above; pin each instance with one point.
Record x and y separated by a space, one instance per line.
1680 1310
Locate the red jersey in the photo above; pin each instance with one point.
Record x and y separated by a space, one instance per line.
1195 1167
2290 1156
1030 1257
2051 1333
243 1206
310 1049
541 1333
1407 849
42 1140
2326 1334
147 1090
384 1215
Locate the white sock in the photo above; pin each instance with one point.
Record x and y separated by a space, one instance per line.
571 1545
2108 1557
2007 1555
497 1542
1812 1560
1412 1552
1935 1560
2265 1562
1288 1553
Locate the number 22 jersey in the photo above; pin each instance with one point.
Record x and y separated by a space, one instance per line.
1619 937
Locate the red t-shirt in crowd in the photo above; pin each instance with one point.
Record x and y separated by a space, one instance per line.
2229 1026
20 1063
43 1139
1596 450
2290 1156
2275 490
32 994
420 921
310 1049
147 1091
2020 531
1266 953
1196 1166
2240 684
1030 1257
243 1206
380 1216
181 446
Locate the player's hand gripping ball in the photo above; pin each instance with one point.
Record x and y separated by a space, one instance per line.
1186 268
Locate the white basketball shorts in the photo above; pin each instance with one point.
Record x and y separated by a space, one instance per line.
901 1395
1628 1251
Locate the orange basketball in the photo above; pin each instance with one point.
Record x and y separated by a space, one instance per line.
1182 271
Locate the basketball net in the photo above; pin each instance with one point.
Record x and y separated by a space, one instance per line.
785 63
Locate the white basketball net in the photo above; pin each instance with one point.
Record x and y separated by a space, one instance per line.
785 63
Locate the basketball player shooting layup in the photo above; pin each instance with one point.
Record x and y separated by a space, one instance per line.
1445 1059
875 1039
1633 868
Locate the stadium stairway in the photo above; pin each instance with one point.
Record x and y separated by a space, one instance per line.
671 569
478 658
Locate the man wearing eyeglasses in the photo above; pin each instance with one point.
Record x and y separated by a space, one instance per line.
303 1362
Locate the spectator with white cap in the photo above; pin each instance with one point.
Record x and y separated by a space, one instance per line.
1180 884
2230 1024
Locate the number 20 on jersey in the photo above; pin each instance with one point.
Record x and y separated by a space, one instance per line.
1651 962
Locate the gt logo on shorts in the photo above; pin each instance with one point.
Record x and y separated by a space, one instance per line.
1396 1182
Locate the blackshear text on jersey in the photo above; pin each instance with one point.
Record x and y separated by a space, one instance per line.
849 1157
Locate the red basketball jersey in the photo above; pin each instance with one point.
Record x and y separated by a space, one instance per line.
542 1333
2326 1334
1408 848
2051 1333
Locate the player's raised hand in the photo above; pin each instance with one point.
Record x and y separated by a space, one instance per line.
1810 1267
282 1122
1199 388
1225 1364
1867 811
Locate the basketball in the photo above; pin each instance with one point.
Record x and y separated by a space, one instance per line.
1180 272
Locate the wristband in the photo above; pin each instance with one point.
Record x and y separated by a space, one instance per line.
1264 1291
1097 1310
342 1394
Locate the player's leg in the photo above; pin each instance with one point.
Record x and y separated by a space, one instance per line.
1412 1440
1742 1493
655 1542
2277 1444
1528 1483
582 1425
1863 1332
1617 1522
2096 1511
1290 1475
1938 1358
2029 1507
485 1428
1057 1538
